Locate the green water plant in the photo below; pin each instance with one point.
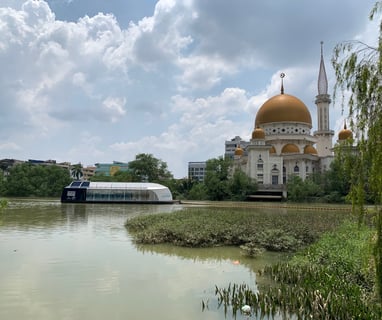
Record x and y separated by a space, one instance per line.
3 203
276 229
331 279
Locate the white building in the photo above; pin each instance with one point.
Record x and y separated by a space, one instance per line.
232 145
282 143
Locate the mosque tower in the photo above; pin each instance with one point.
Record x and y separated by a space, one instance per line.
323 134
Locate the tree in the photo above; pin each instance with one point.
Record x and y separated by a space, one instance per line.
198 192
180 188
146 167
76 171
27 180
358 69
122 176
216 178
337 180
303 190
240 185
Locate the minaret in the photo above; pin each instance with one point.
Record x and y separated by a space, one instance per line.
323 134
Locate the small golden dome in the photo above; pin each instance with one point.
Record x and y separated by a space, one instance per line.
345 133
290 148
239 151
258 133
310 150
272 150
283 108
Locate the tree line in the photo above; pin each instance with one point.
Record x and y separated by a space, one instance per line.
220 182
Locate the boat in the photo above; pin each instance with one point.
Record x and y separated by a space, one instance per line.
116 192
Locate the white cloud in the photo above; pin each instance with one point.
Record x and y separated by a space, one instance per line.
114 108
177 82
202 72
9 146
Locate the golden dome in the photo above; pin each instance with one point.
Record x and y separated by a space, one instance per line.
290 148
273 150
283 108
239 151
258 133
310 150
345 134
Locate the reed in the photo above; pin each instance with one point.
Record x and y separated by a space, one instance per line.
331 279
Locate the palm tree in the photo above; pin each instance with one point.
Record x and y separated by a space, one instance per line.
76 171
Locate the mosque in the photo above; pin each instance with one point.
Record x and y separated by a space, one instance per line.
282 143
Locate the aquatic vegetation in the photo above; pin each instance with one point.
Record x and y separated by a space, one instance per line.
251 249
3 203
276 229
331 279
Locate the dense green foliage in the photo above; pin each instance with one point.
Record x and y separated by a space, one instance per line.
216 178
26 180
146 167
221 184
358 69
332 186
331 279
272 229
303 191
240 186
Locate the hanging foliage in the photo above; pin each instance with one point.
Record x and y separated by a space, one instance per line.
358 69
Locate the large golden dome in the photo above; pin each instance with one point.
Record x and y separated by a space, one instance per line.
283 108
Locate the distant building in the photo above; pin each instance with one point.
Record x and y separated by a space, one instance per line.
41 162
88 172
7 164
197 170
110 169
231 145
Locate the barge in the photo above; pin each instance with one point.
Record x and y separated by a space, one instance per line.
116 192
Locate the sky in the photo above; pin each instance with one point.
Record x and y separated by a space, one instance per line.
97 81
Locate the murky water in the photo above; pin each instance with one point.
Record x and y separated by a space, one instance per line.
76 261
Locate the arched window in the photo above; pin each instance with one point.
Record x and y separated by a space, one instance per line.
275 174
296 169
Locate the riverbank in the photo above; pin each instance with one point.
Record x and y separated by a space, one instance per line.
331 277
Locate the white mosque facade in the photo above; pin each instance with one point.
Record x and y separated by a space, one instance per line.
282 142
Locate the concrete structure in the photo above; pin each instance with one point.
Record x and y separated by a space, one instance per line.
88 172
231 145
197 170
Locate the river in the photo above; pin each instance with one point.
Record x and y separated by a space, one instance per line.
77 261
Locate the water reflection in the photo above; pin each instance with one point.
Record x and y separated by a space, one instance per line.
77 261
